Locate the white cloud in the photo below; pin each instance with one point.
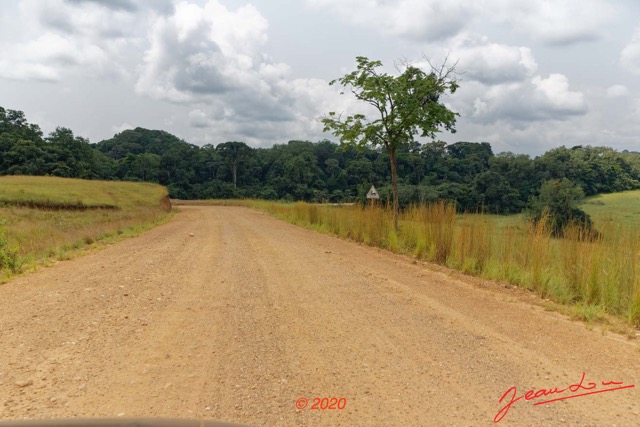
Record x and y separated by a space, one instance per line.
202 51
634 112
630 55
417 19
122 127
558 22
212 57
70 37
499 84
617 91
517 104
492 63
532 137
199 119
48 57
553 93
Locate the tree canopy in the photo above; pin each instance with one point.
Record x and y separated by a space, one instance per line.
467 173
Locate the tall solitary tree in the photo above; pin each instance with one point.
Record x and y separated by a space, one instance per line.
233 152
404 106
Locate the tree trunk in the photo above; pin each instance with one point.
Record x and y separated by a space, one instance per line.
394 185
235 169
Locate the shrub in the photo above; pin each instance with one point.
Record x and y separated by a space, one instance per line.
558 204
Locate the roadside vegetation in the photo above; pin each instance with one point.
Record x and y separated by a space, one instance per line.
48 218
594 278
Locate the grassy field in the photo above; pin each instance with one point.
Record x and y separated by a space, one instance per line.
621 209
52 218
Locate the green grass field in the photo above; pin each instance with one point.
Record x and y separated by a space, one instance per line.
606 210
617 208
53 218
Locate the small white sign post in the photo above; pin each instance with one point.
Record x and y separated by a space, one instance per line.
373 195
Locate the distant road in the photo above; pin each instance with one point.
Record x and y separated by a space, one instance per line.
250 316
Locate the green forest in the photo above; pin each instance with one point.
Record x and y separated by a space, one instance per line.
467 173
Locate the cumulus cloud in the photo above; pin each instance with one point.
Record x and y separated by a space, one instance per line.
500 84
67 37
46 58
203 51
417 19
617 91
127 5
560 22
492 63
554 94
212 56
94 21
159 6
630 55
199 119
516 104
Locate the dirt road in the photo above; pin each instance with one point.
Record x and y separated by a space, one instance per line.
250 315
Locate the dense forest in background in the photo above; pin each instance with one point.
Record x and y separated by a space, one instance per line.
468 173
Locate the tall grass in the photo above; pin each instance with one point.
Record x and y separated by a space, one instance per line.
9 257
601 272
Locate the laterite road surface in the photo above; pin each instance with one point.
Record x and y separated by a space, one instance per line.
250 316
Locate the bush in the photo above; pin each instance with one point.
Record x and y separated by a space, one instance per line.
557 204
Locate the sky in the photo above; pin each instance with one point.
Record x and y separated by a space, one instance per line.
533 75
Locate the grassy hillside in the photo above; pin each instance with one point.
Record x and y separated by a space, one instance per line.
63 192
47 217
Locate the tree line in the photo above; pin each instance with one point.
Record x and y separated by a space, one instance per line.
467 173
